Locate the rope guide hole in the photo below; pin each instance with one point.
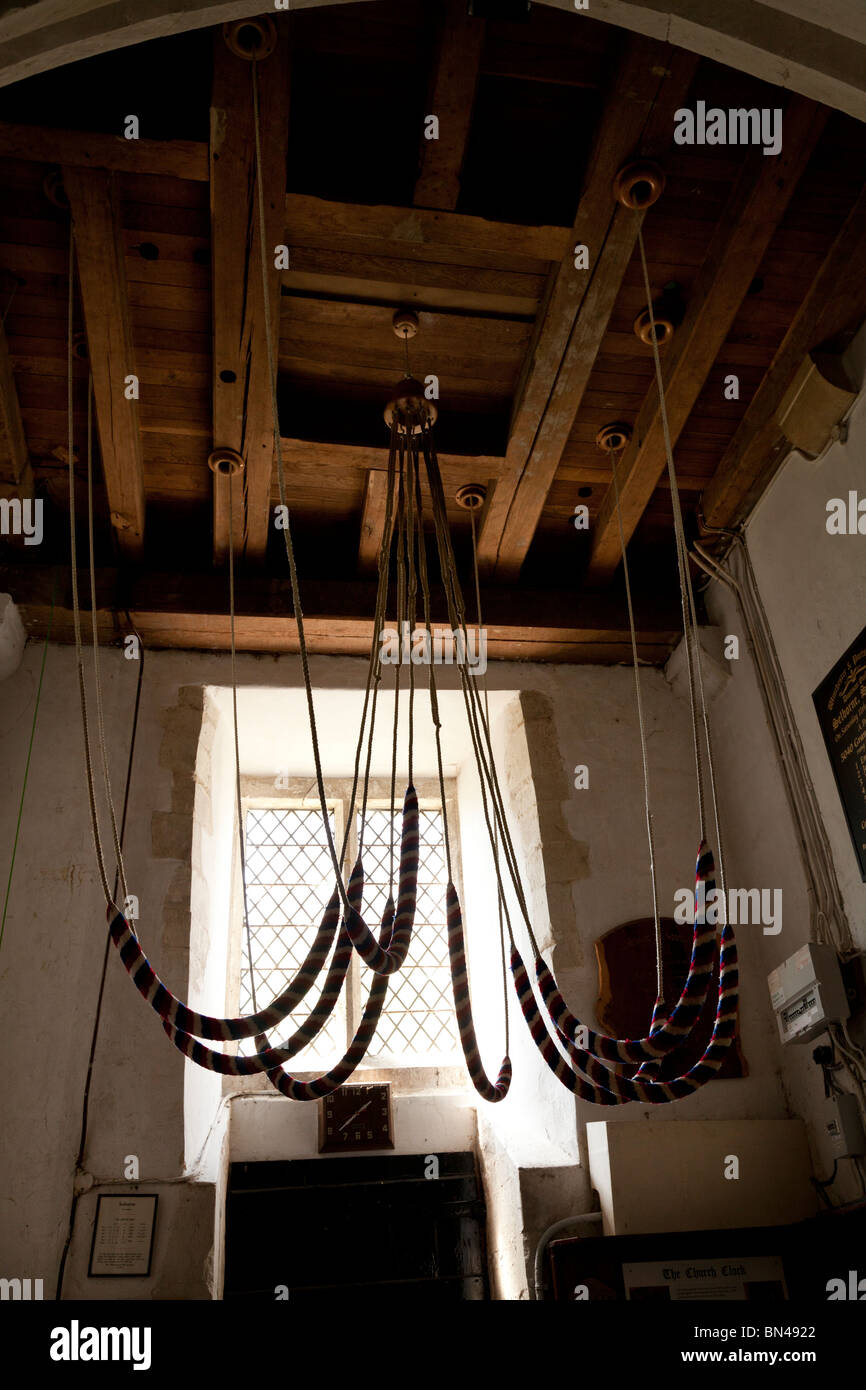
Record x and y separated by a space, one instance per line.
638 185
227 462
252 39
611 438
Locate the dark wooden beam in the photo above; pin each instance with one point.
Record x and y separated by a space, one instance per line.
834 305
242 402
452 98
421 234
84 149
190 612
372 521
651 83
757 203
16 474
435 286
94 202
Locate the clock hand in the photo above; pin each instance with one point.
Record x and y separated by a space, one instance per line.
355 1116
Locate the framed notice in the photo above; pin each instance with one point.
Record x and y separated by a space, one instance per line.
757 1278
840 704
123 1236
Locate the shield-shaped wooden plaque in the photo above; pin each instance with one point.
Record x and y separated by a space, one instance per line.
627 991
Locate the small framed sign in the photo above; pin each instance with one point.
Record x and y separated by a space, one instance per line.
840 704
123 1235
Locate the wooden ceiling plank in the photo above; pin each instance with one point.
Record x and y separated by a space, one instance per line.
84 149
242 402
452 97
411 294
740 240
420 233
189 611
340 459
569 333
836 301
16 474
94 203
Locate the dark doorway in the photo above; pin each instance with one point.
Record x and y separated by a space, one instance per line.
338 1225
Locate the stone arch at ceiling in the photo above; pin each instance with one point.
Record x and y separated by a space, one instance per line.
818 51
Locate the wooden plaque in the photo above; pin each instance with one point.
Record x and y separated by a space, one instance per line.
627 991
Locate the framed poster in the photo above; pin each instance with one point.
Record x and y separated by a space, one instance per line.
123 1236
840 704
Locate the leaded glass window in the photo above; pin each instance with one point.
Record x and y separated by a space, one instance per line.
289 882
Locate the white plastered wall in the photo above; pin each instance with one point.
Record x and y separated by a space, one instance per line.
813 587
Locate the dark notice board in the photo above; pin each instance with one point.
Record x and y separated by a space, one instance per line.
840 704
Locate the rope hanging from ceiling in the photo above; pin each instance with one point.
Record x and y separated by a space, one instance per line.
596 1068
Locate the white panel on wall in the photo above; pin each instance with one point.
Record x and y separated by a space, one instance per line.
695 1174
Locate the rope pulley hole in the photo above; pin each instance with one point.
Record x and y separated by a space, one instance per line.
405 323
251 38
612 438
647 325
226 462
639 185
471 496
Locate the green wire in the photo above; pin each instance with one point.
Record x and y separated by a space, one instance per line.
27 764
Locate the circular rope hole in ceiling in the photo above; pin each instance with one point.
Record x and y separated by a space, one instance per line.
405 323
228 376
613 437
225 461
639 185
251 38
584 492
645 325
471 496
148 251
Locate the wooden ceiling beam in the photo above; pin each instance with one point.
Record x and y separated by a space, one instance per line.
372 521
342 458
416 284
16 474
190 612
242 402
421 234
94 203
85 149
452 97
650 84
757 203
834 305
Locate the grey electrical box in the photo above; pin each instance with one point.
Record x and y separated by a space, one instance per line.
807 993
843 1125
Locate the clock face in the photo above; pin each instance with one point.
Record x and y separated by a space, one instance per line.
356 1118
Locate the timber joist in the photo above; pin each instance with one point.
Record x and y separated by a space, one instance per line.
506 221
